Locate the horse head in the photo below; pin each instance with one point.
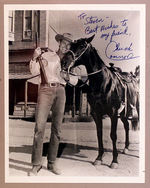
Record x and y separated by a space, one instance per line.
77 50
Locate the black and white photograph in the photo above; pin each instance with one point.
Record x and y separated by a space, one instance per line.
75 93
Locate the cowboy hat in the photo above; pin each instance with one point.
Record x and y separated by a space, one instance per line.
65 36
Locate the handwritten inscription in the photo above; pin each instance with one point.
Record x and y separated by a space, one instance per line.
90 19
110 26
105 26
114 51
110 31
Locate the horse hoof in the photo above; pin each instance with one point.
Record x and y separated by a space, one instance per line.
114 165
97 162
125 151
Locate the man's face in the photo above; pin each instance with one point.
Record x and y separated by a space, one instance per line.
64 46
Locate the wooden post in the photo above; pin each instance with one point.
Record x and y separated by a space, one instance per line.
73 105
26 98
15 95
87 108
80 107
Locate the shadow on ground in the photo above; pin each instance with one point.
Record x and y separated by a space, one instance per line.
64 149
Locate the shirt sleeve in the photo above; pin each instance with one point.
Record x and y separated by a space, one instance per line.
34 67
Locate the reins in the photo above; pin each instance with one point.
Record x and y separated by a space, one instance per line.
86 74
76 58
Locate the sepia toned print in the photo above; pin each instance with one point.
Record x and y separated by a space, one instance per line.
101 72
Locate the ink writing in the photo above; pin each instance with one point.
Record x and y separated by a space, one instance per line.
110 30
115 51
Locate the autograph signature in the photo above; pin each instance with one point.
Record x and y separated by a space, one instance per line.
114 51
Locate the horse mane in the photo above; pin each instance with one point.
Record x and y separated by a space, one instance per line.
110 83
96 52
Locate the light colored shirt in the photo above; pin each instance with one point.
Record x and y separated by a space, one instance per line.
52 68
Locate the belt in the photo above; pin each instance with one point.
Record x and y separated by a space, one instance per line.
53 84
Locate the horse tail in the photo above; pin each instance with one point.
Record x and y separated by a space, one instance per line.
133 104
135 120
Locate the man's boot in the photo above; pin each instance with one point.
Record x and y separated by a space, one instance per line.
34 171
51 166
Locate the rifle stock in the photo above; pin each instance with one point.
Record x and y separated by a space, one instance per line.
40 59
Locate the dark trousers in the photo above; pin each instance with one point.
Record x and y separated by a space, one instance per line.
49 98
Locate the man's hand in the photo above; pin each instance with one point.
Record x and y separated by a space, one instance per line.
36 53
64 75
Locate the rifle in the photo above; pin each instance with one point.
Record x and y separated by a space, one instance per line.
39 58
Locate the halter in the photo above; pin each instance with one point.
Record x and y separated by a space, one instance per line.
76 58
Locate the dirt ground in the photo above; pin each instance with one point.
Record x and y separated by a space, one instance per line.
78 149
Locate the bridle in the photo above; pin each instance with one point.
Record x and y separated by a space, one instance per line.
75 58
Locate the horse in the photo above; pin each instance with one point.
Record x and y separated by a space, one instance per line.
107 90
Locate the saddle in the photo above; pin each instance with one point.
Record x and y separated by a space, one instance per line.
122 76
126 77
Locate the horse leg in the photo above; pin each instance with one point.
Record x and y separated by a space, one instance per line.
126 127
99 127
113 135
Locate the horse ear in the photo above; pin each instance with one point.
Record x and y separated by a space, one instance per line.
88 40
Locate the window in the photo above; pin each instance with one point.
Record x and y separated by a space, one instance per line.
11 25
27 25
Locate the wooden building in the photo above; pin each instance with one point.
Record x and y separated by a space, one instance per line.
26 28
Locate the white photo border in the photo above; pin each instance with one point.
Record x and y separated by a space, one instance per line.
131 7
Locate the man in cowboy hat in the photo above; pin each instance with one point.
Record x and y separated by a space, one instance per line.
51 96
